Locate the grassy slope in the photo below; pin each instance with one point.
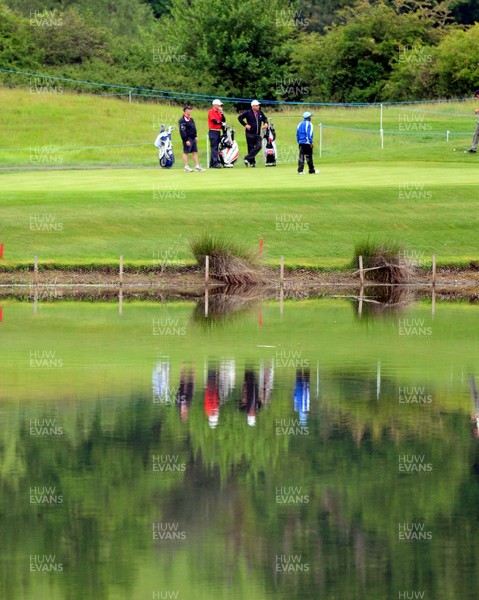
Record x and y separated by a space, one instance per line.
145 213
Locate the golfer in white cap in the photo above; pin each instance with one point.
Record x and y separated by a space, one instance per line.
304 136
216 119
253 120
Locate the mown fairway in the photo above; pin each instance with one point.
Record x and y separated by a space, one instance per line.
417 190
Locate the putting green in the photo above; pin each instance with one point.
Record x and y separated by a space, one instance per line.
94 215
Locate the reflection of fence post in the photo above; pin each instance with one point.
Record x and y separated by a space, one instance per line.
320 140
281 271
120 302
207 269
433 269
433 301
360 303
206 301
35 269
361 272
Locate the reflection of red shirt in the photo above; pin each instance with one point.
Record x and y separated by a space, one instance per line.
217 116
211 399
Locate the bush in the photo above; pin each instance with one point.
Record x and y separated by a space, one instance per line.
229 261
387 261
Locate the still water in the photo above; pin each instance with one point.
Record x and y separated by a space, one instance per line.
156 453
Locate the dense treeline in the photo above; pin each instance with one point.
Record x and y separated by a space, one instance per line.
333 50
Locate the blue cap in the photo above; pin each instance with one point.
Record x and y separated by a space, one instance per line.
306 115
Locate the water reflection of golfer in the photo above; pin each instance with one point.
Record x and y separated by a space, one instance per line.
266 378
211 402
184 395
250 402
161 382
226 379
301 395
475 402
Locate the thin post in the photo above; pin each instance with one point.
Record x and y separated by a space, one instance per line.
1 250
433 269
261 243
320 140
447 135
361 271
207 269
35 269
121 268
281 271
433 301
381 130
360 303
281 299
206 301
129 96
120 302
207 152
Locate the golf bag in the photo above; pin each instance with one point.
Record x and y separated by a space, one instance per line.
228 150
269 146
165 147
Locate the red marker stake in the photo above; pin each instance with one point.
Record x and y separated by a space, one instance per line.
1 250
1 314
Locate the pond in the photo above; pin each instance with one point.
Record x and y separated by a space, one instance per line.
293 450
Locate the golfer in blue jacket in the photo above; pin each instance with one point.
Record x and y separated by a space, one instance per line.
304 136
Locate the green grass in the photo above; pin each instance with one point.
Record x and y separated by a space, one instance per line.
417 190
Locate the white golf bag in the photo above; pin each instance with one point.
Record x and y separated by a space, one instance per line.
269 146
228 150
165 147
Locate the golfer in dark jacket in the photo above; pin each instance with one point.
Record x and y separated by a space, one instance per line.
253 120
189 137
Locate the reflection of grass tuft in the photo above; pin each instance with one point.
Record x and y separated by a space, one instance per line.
386 259
229 261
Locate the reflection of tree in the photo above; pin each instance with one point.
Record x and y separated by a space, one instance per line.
347 531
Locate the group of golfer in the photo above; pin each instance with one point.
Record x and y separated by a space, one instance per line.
254 122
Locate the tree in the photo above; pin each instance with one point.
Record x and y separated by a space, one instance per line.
225 47
353 61
17 47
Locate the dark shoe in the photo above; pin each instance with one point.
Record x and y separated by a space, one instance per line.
253 165
472 150
218 166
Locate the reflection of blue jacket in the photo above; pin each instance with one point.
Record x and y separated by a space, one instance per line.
301 398
304 132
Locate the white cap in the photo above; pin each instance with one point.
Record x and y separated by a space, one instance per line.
217 102
213 420
255 103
